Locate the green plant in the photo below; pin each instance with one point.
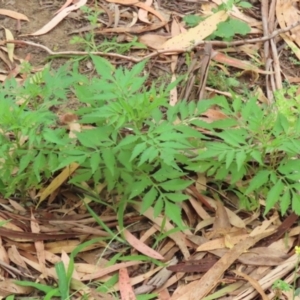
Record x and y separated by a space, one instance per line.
255 151
140 152
282 286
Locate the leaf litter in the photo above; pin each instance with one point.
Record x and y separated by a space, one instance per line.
230 252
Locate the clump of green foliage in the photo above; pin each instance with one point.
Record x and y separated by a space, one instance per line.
142 147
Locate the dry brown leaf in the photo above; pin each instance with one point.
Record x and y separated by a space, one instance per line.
140 246
234 219
177 237
66 261
254 283
58 18
104 271
221 224
143 14
140 5
201 182
16 258
199 289
9 46
57 182
8 287
68 246
262 256
126 289
39 246
5 59
237 63
66 4
153 41
13 14
282 7
158 280
219 243
193 36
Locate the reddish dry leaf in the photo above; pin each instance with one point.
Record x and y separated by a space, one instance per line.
13 14
199 266
66 4
214 115
140 246
105 271
39 246
140 5
237 63
135 29
58 18
143 14
126 289
164 295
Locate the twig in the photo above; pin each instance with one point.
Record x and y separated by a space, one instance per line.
156 52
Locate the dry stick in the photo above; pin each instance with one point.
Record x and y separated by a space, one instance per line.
268 61
157 52
276 62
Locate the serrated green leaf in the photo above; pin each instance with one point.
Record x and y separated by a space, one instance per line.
158 207
145 155
296 203
71 159
175 184
137 150
285 202
54 136
176 197
129 139
26 160
240 158
237 175
257 156
88 139
138 187
289 166
189 132
261 178
39 165
235 137
103 67
274 195
52 161
173 212
124 158
229 158
149 199
109 160
245 4
95 160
